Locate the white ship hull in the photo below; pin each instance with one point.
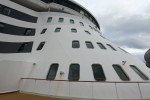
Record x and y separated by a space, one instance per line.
56 50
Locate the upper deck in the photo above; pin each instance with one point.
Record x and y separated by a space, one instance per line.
65 6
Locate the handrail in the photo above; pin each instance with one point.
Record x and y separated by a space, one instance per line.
89 81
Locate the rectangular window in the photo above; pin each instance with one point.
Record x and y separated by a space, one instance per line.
52 72
16 47
74 30
57 29
88 32
6 11
98 72
13 13
16 30
71 21
28 32
111 47
2 27
1 9
75 44
101 45
140 73
41 46
81 24
121 73
43 31
74 72
89 45
61 20
49 19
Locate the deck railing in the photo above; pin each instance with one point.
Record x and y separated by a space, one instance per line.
88 89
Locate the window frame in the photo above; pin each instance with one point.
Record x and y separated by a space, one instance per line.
87 32
122 70
53 77
135 69
73 30
70 75
72 21
49 20
58 29
81 23
41 45
102 72
101 45
44 30
61 20
78 43
111 47
86 42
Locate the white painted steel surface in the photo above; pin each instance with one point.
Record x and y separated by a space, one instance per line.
58 49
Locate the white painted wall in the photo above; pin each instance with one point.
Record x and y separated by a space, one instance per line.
10 74
58 49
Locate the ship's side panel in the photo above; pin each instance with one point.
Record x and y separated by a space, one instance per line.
63 40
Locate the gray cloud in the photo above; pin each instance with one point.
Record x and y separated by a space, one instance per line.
130 31
124 22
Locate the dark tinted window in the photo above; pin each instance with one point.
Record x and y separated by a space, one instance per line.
52 72
6 11
101 45
16 30
49 19
15 47
1 27
81 24
61 20
121 73
28 32
43 31
41 46
71 21
75 44
89 45
74 72
57 29
16 14
88 32
74 30
140 73
111 47
98 72
1 8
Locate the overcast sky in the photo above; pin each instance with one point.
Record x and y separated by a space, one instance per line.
124 22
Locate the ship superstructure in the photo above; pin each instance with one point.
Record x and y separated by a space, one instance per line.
55 48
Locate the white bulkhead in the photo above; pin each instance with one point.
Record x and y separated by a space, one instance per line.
61 52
